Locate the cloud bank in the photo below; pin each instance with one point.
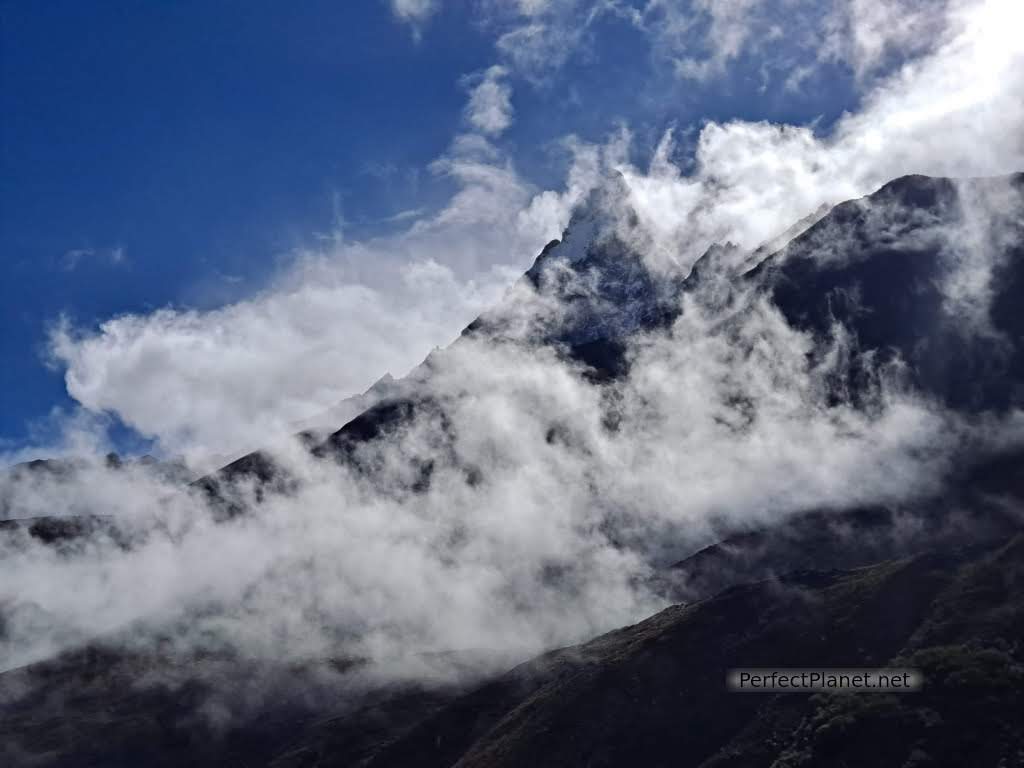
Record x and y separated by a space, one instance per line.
207 383
540 525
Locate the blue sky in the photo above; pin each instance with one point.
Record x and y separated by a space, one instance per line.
181 154
202 140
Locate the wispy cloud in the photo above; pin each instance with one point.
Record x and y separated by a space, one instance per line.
415 13
699 39
76 257
490 101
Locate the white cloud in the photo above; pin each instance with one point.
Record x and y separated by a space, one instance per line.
227 379
865 33
415 13
490 102
414 10
206 383
105 256
699 39
728 26
553 541
954 112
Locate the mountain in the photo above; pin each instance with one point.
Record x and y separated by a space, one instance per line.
921 279
913 289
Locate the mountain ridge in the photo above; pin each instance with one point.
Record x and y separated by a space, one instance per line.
810 294
931 582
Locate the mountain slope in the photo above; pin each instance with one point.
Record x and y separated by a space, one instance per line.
651 694
655 694
926 271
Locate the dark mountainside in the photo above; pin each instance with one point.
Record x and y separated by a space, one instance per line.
934 583
885 285
654 693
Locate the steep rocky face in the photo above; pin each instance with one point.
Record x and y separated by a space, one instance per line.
924 274
587 293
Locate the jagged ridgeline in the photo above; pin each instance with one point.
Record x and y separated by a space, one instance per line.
922 279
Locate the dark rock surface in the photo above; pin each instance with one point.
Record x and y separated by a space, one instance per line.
887 268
